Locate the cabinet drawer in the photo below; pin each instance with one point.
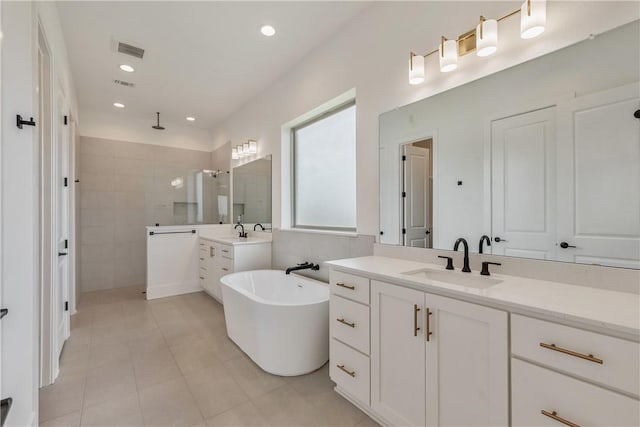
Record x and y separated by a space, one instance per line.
350 286
535 389
565 348
349 323
226 266
226 251
350 370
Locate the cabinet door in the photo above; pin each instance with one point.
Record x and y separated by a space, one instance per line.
397 354
467 367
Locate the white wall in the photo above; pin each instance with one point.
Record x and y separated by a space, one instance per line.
371 53
20 240
121 126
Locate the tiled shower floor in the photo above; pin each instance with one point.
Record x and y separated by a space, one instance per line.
169 362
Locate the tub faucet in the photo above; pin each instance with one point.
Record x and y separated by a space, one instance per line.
483 239
304 266
465 268
242 233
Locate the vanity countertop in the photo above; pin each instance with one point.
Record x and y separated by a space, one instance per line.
605 310
234 240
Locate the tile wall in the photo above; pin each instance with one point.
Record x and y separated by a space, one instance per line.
123 187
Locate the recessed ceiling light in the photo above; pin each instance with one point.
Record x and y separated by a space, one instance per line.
118 105
268 30
191 119
127 68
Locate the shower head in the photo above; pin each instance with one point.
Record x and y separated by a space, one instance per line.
157 126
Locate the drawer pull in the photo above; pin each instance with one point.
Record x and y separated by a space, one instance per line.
554 415
342 285
428 332
352 374
588 357
202 277
225 269
201 259
415 320
344 322
225 251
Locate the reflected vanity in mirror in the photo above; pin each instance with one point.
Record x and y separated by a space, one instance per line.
543 158
252 194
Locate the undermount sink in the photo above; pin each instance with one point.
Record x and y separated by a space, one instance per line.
454 278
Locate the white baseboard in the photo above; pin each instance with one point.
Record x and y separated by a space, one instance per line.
362 406
171 289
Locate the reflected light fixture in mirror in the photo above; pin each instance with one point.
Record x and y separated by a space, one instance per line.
533 18
253 146
486 37
234 153
416 69
240 150
245 149
448 55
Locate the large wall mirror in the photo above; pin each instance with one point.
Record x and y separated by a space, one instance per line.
252 194
543 158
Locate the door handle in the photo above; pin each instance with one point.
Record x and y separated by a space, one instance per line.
62 253
427 232
498 239
565 245
4 312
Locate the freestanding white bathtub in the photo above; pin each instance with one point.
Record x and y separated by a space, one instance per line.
280 321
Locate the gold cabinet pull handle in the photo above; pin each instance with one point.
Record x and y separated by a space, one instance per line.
352 374
225 269
428 332
588 357
202 277
342 285
554 415
344 322
415 320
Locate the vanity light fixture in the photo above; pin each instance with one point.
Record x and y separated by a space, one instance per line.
118 104
240 150
267 30
416 69
234 153
448 55
127 68
253 146
483 39
245 149
486 37
533 18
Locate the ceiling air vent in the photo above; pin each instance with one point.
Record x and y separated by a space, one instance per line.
127 49
123 83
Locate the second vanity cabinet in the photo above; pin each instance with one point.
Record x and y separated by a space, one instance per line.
218 258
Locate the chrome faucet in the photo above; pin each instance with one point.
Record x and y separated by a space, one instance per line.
465 268
242 233
483 239
305 265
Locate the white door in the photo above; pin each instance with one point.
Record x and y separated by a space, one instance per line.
467 364
397 354
61 203
416 197
523 185
599 178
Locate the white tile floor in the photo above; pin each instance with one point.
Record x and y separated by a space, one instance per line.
169 362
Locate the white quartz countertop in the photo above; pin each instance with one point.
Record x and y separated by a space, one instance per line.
234 240
618 312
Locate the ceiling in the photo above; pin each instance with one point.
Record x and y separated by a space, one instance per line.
202 59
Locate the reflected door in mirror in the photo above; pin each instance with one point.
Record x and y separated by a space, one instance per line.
416 194
523 185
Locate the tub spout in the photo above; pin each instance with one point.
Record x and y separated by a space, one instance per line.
304 266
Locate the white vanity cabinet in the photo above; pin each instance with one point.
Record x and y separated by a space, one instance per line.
219 258
437 361
577 376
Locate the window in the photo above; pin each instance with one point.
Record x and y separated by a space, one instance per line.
324 171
